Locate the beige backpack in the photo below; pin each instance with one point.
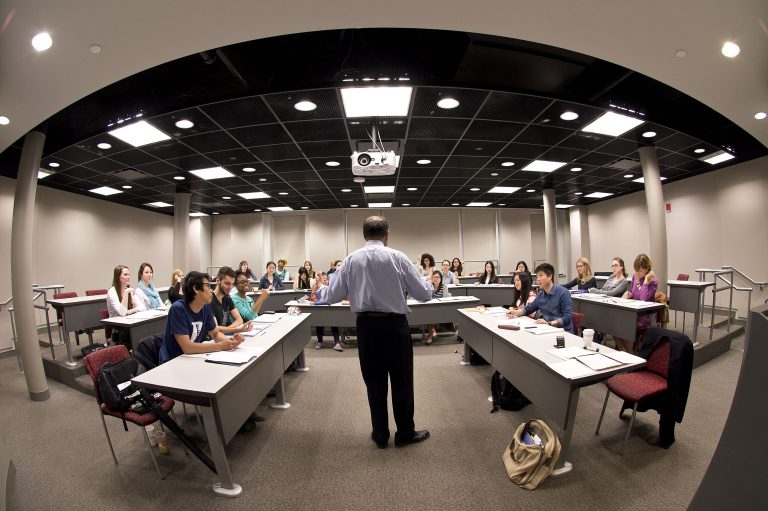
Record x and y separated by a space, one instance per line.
531 456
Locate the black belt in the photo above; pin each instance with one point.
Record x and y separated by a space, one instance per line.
377 314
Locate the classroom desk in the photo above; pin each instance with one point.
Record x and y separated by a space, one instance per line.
614 316
687 296
503 279
422 313
276 299
140 325
79 313
493 294
523 359
600 281
228 394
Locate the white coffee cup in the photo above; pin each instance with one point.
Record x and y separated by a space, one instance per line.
588 334
151 435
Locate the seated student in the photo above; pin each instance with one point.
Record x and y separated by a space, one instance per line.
228 318
282 271
457 267
122 301
189 320
309 268
449 277
438 291
427 265
524 293
643 287
146 291
319 291
270 281
244 268
302 279
617 284
584 279
244 304
489 275
522 266
553 301
335 265
176 290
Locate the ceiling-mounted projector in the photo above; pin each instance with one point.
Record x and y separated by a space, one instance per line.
374 163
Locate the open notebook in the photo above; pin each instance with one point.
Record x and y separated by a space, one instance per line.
238 356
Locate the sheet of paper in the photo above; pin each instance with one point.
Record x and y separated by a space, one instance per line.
267 318
497 311
571 369
539 329
623 357
567 353
598 362
239 355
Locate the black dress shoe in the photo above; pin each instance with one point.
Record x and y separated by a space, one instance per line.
418 436
380 445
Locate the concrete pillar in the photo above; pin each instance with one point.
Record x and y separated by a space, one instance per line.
657 226
181 232
550 229
21 267
580 234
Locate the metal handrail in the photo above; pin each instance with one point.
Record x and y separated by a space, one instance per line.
719 275
13 333
747 277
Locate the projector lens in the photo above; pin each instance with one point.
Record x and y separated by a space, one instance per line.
364 159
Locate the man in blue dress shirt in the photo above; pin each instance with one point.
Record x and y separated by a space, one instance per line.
553 301
376 279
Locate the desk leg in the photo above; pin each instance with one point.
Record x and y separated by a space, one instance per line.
280 396
70 361
465 361
225 488
565 433
302 364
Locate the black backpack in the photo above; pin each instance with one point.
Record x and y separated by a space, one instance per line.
116 399
506 395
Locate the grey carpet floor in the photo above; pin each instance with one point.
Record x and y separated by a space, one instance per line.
318 454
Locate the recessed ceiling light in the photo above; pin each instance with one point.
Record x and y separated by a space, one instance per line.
197 213
257 210
305 207
503 204
718 157
563 206
579 193
474 189
281 208
179 178
598 195
376 101
379 204
127 187
346 190
95 49
305 106
504 189
262 179
379 189
627 176
455 204
249 169
406 204
494 174
612 124
649 134
226 197
423 162
358 179
507 164
253 195
184 124
699 150
575 169
411 189
282 193
104 145
543 166
730 49
569 116
4 120
479 204
447 103
760 116
41 174
530 190
680 53
158 204
332 163
105 190
139 134
215 213
42 41
641 180
212 173
53 164
353 205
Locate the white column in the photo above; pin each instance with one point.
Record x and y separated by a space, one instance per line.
181 232
579 232
657 226
22 232
550 228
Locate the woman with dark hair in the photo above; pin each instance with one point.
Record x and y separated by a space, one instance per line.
524 293
271 281
617 284
438 291
121 301
457 267
427 263
146 292
302 281
245 269
522 266
489 275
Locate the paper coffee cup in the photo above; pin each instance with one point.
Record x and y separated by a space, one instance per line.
151 435
588 334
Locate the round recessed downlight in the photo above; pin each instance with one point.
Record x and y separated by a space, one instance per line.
412 189
179 178
305 207
454 204
530 190
215 213
4 120
346 190
494 174
680 54
104 145
474 189
649 134
42 41
699 150
249 169
358 179
507 164
263 179
283 193
127 187
305 106
332 163
226 197
503 204
257 210
406 203
730 49
575 169
760 116
569 116
627 176
53 164
353 205
184 124
579 193
423 162
447 103
95 49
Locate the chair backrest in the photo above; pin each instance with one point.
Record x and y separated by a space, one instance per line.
658 362
59 296
95 292
148 351
577 317
93 362
683 276
104 314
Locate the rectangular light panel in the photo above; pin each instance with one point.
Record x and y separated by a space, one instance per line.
158 204
504 189
254 195
41 174
718 157
543 166
281 208
379 204
212 173
563 206
139 134
197 213
479 204
105 190
376 101
641 180
379 189
612 124
598 195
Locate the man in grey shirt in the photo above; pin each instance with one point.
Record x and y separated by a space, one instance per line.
376 279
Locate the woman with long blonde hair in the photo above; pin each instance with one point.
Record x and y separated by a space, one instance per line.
584 277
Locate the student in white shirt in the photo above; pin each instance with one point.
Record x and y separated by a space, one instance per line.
121 301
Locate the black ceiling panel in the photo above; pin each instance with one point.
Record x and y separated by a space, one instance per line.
239 112
422 127
277 152
493 130
308 131
542 135
513 107
283 105
266 134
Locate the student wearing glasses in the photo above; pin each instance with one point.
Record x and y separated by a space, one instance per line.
584 279
427 263
457 267
449 277
617 284
245 305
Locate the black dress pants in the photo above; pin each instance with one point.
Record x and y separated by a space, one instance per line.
385 351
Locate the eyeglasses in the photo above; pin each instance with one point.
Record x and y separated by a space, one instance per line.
239 282
615 265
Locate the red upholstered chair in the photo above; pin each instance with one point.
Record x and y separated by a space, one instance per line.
95 292
93 363
686 277
639 385
576 318
683 276
60 315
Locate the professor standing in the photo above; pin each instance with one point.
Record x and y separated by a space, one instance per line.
376 279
